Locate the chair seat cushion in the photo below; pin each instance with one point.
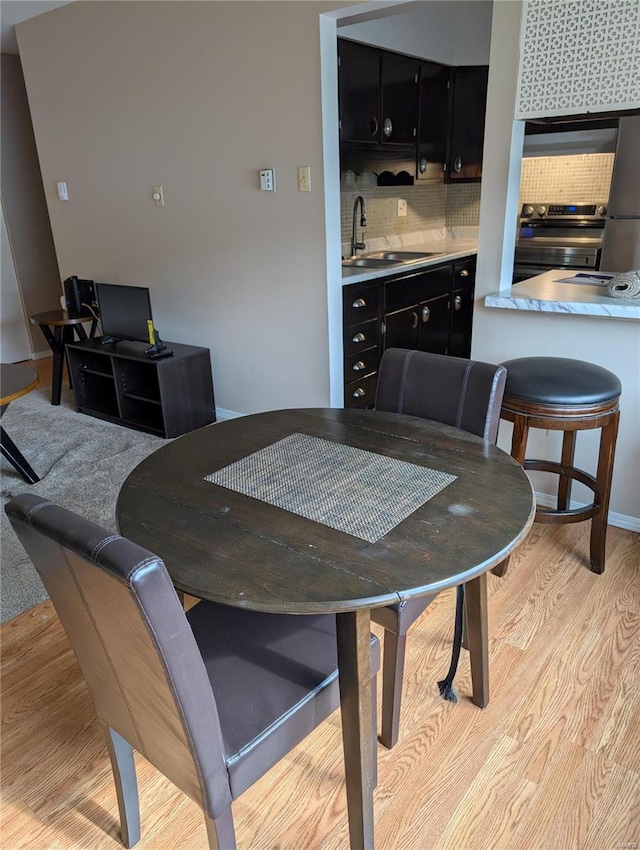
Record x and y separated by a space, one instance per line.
559 380
274 677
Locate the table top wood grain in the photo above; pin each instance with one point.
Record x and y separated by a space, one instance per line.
230 548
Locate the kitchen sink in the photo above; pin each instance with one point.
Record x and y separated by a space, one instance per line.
402 256
368 262
378 259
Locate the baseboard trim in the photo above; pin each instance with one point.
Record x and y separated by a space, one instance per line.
630 523
222 414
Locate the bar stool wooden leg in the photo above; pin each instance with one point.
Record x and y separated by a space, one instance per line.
520 437
567 461
608 437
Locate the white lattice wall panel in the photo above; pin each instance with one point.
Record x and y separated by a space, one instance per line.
579 56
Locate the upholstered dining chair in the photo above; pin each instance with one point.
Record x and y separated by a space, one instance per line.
466 394
212 698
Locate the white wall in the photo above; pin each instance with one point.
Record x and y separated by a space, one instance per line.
25 210
500 335
197 97
455 32
14 342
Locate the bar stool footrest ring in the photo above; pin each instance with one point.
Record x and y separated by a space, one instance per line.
551 515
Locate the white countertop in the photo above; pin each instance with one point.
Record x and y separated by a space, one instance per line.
544 294
446 244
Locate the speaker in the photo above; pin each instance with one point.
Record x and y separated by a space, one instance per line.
79 295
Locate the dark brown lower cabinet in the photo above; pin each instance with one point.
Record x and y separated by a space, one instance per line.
428 310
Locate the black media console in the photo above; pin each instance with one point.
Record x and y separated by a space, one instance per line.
118 382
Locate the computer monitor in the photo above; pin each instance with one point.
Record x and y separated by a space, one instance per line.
125 312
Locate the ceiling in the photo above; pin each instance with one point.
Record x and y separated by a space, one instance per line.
12 12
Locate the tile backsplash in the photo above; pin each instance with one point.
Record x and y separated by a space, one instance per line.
584 177
433 205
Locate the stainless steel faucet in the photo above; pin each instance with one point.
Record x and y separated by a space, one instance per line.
355 245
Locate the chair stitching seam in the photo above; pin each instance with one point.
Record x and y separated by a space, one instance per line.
105 542
403 380
463 392
32 510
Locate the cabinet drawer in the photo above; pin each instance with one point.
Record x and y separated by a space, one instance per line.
359 303
361 393
405 291
361 363
360 337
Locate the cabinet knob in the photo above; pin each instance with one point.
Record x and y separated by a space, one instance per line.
457 164
359 338
414 321
374 126
359 366
358 393
387 128
457 303
426 314
359 302
463 273
422 165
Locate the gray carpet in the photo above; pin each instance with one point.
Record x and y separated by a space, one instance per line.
82 463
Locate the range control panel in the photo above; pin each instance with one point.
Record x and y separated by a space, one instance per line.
582 211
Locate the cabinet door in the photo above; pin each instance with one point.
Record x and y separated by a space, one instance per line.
461 321
434 325
399 99
401 328
433 121
359 92
467 122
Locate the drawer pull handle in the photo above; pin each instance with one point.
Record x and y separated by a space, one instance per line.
359 366
358 393
359 338
457 303
359 302
426 314
464 273
457 165
387 127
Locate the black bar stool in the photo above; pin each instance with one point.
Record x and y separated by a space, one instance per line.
565 395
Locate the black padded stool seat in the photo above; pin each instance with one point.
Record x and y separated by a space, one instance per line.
560 394
558 380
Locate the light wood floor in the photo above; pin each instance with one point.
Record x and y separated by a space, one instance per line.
553 763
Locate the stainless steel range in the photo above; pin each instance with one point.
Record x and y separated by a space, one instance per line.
556 236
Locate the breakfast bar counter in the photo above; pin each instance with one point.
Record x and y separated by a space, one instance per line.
545 293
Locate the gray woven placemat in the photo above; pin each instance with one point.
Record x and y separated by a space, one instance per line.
351 490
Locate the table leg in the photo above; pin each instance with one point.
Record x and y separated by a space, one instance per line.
478 637
16 458
354 664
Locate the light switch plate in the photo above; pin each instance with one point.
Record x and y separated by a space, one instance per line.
304 178
402 207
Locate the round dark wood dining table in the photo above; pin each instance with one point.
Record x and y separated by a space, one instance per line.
238 550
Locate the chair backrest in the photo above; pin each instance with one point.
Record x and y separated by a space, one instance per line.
464 393
137 652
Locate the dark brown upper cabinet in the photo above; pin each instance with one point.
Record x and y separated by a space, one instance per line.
377 96
433 121
466 138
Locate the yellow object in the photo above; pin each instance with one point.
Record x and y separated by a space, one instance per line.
152 337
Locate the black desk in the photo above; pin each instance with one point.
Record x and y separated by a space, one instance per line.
221 545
